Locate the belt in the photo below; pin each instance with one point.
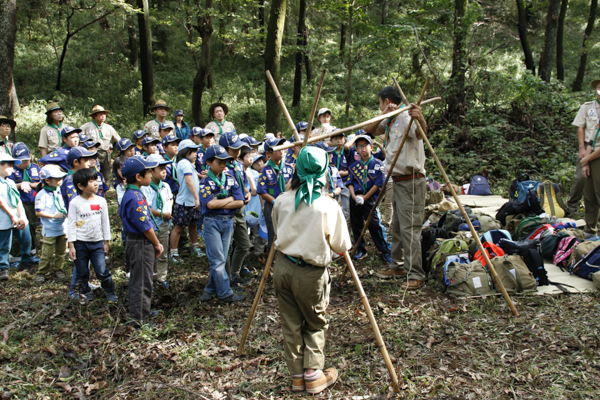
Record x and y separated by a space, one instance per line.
298 261
400 178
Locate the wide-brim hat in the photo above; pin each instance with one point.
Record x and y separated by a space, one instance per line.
52 106
160 103
97 108
8 120
595 83
211 109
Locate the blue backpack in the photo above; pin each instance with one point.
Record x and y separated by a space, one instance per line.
588 265
478 186
495 235
524 187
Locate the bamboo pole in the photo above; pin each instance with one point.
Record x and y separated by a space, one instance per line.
354 127
387 179
314 108
465 215
282 104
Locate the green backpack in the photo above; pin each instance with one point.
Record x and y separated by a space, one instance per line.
447 247
488 223
529 225
514 274
468 279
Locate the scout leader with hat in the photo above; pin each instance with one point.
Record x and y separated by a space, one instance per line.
219 125
99 130
309 225
160 109
50 134
6 125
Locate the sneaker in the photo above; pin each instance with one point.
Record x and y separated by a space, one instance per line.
413 284
73 295
298 384
58 275
174 258
112 298
233 298
387 258
327 379
206 297
237 288
40 278
391 272
245 272
360 254
164 285
240 281
3 275
85 298
25 268
35 260
197 251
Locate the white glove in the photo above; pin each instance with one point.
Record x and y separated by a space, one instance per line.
360 200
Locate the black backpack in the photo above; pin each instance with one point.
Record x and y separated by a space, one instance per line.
528 250
549 244
428 239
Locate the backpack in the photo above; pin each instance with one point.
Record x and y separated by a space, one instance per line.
512 221
495 235
529 225
454 218
510 208
542 231
551 200
549 244
532 203
478 186
492 251
523 188
514 274
513 186
564 250
428 240
596 279
447 247
433 185
581 250
468 279
488 223
529 251
588 265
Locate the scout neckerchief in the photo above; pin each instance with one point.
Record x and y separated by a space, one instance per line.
339 158
279 170
70 172
13 194
159 199
238 177
145 154
330 179
220 125
365 177
26 177
99 129
597 131
133 187
173 167
311 168
57 199
56 127
5 145
220 182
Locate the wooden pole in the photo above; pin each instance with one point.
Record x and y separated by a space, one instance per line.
465 215
387 179
282 104
314 108
354 127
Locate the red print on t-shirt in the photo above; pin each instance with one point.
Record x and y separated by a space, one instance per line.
95 207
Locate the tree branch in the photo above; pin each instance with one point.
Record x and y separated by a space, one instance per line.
91 22
425 57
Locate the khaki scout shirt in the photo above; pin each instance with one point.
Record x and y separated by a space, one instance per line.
412 157
50 138
326 131
310 233
227 127
108 134
151 128
587 117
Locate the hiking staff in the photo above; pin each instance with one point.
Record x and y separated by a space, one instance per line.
387 179
355 127
314 108
259 291
464 213
281 103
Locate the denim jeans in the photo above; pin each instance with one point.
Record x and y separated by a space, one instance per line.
5 243
24 237
94 252
199 226
218 230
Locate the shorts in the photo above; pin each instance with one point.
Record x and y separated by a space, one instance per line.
184 216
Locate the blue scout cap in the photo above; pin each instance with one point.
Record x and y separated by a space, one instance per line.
139 134
83 137
187 144
124 144
293 138
231 140
51 171
179 113
257 157
250 141
67 130
79 152
20 151
53 158
301 126
272 142
364 137
324 146
165 125
135 165
196 131
206 132
149 140
170 139
361 132
89 144
6 158
160 160
217 151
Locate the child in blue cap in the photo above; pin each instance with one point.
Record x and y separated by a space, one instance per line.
149 146
138 136
70 139
170 144
206 138
126 148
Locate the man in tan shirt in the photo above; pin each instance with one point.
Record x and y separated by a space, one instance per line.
219 125
105 134
50 138
160 109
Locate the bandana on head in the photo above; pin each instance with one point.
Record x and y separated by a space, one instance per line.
311 166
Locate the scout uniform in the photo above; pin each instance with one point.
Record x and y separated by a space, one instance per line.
149 140
170 167
50 134
67 189
105 134
308 227
363 176
138 135
152 127
5 144
137 219
219 128
290 157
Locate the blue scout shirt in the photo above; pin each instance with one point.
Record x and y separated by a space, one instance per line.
51 227
17 177
201 160
353 155
171 178
374 173
290 158
340 161
135 212
268 182
67 189
241 174
102 186
334 178
209 190
137 151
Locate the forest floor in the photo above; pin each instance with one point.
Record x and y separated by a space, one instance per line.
442 347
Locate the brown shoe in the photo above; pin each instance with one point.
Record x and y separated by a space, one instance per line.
389 273
327 379
298 384
413 284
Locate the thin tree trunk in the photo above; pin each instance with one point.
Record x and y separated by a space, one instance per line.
457 99
205 29
522 26
8 31
578 83
146 67
350 61
342 39
308 69
560 68
261 20
300 42
549 52
133 44
384 12
272 62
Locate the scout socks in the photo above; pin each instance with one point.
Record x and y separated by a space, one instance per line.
298 383
312 377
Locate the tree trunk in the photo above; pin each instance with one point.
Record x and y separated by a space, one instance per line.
61 62
146 66
522 26
342 39
549 52
384 12
560 68
350 61
261 20
308 70
133 44
9 105
577 84
272 62
457 99
300 41
205 29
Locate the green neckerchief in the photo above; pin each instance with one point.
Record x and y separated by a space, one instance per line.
220 125
159 199
365 178
339 157
57 198
173 167
311 168
220 183
331 184
99 129
26 177
238 177
70 172
4 144
145 154
13 194
133 187
56 127
279 170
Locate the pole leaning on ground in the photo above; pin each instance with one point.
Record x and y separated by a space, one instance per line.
387 179
282 104
314 109
465 215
